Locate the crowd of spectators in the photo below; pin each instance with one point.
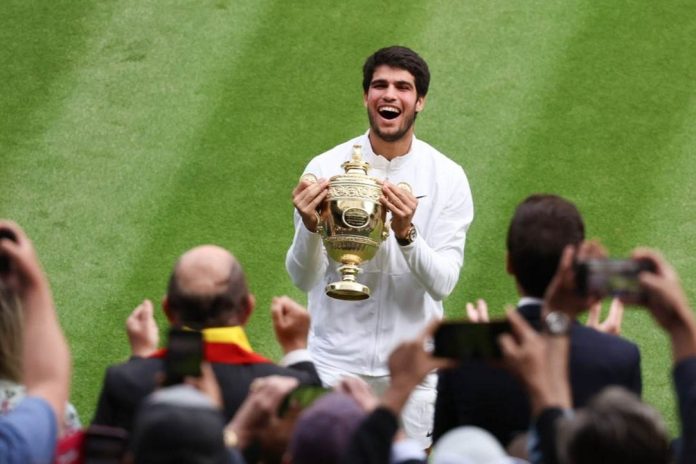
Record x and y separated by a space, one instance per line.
561 392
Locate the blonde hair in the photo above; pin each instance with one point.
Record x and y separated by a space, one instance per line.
11 335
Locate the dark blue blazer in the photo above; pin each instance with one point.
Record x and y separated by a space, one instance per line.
478 393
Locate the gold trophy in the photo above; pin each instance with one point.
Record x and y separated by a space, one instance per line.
352 224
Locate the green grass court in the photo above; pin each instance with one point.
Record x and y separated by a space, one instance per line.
133 130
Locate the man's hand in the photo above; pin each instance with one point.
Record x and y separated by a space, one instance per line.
307 196
207 384
141 327
25 275
540 361
402 205
260 407
409 363
612 324
665 299
562 294
359 390
291 323
478 313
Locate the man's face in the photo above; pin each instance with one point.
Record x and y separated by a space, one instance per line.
392 103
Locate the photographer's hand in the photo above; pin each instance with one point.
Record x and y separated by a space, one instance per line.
44 376
562 294
540 361
260 407
667 302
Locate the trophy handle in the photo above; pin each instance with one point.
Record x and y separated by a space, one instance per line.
385 230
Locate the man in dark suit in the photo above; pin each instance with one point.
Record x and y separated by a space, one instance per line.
208 292
487 396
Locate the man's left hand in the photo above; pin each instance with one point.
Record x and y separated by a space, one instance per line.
402 205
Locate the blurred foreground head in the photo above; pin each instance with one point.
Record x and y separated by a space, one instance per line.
178 424
615 427
323 431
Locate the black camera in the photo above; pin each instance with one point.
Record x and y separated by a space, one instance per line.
612 277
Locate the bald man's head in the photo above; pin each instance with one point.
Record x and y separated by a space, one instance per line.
207 289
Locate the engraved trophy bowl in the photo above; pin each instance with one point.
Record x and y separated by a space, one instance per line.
352 225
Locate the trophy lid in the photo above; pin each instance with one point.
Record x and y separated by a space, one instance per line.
356 165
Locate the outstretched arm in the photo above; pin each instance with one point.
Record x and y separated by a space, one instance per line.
46 359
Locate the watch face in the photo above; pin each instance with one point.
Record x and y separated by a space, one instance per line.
412 234
557 323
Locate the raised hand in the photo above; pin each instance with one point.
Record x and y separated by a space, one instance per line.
612 324
478 313
290 322
142 330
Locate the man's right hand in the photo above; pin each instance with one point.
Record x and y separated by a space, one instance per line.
291 323
307 196
25 275
141 327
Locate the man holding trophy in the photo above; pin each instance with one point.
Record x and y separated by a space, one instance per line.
380 227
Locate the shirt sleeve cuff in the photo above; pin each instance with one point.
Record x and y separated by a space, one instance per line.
405 450
295 357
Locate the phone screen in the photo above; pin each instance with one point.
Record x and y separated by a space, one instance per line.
184 355
466 340
616 277
301 397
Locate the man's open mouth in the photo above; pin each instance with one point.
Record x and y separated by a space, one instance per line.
389 112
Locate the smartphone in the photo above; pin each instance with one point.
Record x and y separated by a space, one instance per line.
104 445
5 264
612 277
301 397
466 340
184 356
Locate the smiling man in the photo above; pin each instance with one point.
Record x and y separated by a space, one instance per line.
416 268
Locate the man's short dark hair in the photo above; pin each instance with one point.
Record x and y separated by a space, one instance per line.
543 225
199 311
401 58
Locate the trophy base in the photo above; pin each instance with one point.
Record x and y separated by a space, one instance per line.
352 291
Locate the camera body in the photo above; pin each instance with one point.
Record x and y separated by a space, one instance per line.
612 277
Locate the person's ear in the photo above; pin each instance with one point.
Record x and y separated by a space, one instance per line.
168 311
248 308
420 104
508 264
